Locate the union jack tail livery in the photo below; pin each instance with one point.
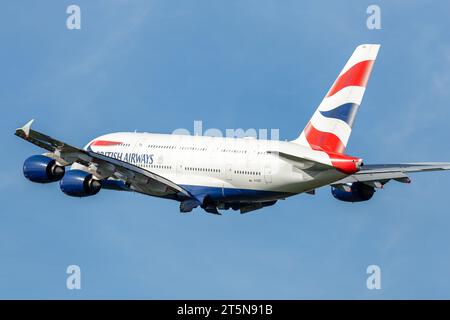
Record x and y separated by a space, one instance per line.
331 125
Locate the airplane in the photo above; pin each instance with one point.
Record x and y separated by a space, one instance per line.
221 173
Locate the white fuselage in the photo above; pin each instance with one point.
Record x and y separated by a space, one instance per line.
220 164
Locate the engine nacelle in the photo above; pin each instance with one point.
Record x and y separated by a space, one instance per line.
358 192
42 169
78 183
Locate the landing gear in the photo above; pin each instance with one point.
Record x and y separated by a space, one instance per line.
210 206
187 205
211 209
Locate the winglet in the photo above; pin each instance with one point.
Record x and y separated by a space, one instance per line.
26 128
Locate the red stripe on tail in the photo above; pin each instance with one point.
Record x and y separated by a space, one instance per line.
325 141
358 75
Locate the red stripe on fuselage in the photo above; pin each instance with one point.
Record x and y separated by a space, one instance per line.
325 141
358 75
104 143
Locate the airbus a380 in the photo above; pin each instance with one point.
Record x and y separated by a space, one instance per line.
217 173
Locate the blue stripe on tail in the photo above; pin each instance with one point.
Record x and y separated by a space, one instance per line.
345 112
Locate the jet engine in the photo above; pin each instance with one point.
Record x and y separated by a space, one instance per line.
42 169
78 183
357 192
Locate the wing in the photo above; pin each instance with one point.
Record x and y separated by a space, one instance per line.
377 175
102 166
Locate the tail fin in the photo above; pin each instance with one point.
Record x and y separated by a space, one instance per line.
331 125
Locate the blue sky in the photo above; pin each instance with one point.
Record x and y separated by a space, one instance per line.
159 65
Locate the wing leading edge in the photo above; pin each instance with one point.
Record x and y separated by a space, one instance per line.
102 166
